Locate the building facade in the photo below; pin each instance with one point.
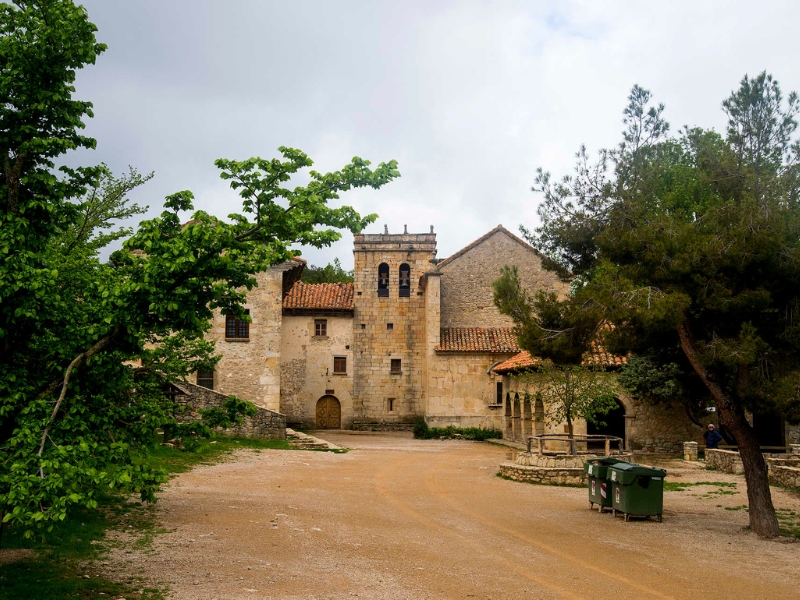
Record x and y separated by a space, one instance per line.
411 337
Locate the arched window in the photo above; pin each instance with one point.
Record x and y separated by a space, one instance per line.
405 281
383 280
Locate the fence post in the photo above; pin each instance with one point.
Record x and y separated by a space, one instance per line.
608 446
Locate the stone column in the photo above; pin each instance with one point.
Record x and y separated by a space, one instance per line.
689 450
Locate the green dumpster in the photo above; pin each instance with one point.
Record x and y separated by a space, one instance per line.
637 491
599 483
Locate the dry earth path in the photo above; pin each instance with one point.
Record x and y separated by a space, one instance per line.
402 518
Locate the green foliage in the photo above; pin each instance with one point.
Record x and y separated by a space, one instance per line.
58 563
645 378
76 419
331 273
423 432
692 242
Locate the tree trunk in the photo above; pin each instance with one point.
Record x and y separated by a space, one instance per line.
571 435
762 513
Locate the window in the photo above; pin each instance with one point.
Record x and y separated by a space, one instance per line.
339 365
405 281
237 329
363 326
206 379
320 327
390 404
397 365
499 392
383 280
389 326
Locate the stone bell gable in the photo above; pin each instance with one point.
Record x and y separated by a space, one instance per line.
467 277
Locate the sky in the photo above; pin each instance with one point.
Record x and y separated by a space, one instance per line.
470 97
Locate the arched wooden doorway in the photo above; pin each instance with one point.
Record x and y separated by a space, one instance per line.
329 413
614 425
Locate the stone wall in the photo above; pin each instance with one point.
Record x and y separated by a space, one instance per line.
250 368
266 424
467 279
307 368
785 476
726 461
389 328
461 392
658 427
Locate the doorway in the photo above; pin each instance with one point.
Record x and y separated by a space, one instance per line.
329 413
614 425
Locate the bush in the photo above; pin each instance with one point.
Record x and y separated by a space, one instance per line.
423 432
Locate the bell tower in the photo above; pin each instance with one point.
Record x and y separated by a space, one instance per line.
389 326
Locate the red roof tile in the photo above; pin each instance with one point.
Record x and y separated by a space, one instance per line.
478 339
596 357
319 296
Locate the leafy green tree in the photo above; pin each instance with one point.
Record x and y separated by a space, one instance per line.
569 389
695 243
330 273
75 418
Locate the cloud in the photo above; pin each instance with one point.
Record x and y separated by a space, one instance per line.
469 97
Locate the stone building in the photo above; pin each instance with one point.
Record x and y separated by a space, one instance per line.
411 337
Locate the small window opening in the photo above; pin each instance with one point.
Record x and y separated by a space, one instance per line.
499 392
405 281
206 379
339 365
390 404
237 329
389 326
397 365
320 327
383 280
363 326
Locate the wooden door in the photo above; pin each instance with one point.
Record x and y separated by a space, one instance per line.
329 413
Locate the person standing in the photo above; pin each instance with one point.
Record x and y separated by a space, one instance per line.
712 437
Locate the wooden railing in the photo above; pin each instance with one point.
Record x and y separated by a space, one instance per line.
576 438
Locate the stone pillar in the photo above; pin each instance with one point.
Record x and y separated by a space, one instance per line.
689 450
794 448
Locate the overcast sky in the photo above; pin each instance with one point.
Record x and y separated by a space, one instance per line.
469 97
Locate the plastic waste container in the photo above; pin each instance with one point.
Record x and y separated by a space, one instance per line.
637 491
599 482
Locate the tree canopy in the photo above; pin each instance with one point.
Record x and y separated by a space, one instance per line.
330 273
690 246
76 419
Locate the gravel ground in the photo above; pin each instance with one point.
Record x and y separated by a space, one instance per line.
402 518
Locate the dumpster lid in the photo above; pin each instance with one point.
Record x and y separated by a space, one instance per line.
606 460
636 470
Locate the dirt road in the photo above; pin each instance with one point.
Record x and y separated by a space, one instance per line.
400 518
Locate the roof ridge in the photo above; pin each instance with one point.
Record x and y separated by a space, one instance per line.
483 238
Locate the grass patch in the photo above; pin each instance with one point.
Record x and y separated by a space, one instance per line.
423 432
789 521
59 564
724 487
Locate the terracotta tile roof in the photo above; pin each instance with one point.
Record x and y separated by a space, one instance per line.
319 296
596 357
478 339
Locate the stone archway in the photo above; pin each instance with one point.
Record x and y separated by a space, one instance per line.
329 413
614 425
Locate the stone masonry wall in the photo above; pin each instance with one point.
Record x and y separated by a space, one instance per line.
266 424
375 344
250 368
461 392
307 368
466 285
